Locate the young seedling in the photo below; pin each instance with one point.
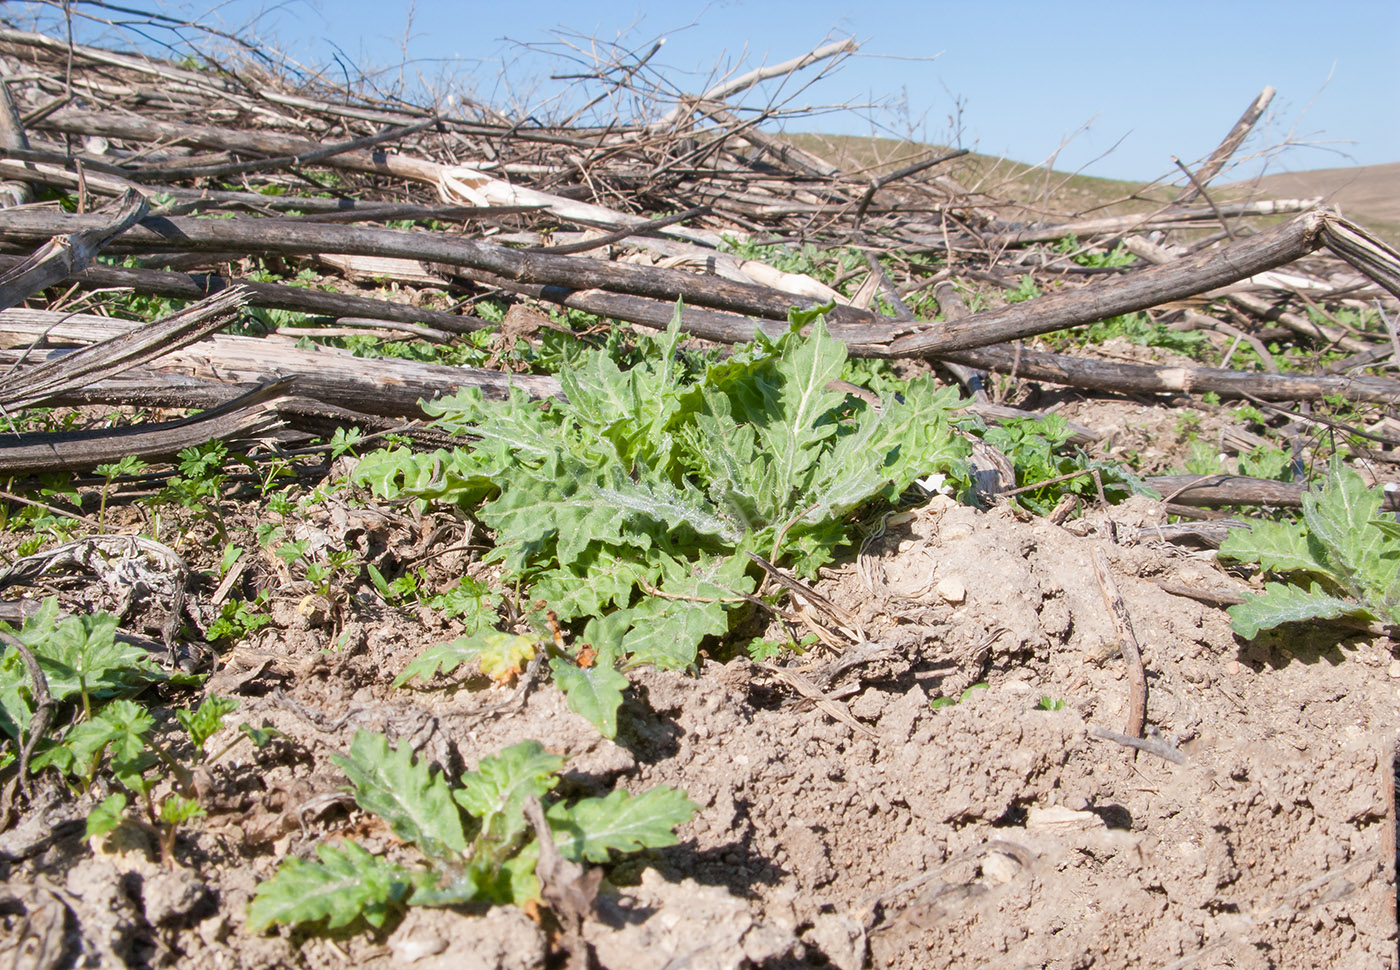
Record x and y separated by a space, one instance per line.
1342 561
473 839
129 465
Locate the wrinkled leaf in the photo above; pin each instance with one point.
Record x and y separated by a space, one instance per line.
1280 604
590 829
593 692
346 884
500 655
495 794
415 800
1279 547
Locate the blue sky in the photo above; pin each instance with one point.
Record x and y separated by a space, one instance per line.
1151 78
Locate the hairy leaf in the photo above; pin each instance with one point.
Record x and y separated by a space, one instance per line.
444 476
667 628
642 479
495 794
122 725
415 800
1280 604
1339 518
500 655
593 692
590 829
1339 540
1279 547
346 884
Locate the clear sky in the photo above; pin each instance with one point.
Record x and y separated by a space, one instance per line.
1151 78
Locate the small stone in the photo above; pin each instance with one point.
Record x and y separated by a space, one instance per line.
1395 668
1062 819
999 868
176 897
951 590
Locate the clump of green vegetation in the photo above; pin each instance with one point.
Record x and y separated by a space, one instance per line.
1041 453
1342 561
487 856
96 726
1139 329
939 703
1117 256
632 508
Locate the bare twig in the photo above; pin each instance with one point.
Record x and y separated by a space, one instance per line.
1137 675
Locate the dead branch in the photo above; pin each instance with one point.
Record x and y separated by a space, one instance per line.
1233 139
249 415
73 370
61 257
1137 675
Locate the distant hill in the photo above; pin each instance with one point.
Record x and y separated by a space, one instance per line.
1368 194
1040 193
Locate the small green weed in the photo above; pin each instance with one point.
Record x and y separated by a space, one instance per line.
475 839
938 703
632 507
1342 560
1039 451
89 674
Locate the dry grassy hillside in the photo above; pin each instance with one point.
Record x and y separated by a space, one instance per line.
1369 194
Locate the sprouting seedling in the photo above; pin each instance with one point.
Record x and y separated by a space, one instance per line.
474 837
1342 561
128 465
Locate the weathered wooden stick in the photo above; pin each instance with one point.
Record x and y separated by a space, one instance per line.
180 170
1227 147
1212 491
905 172
1368 253
116 354
12 138
383 386
246 415
1172 217
251 141
64 255
726 89
1132 655
289 237
785 153
196 286
1138 291
1105 375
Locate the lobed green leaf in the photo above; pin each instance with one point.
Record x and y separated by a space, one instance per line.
594 692
347 884
589 830
1280 604
496 792
500 656
415 800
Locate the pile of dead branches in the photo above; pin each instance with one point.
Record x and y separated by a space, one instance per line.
195 176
